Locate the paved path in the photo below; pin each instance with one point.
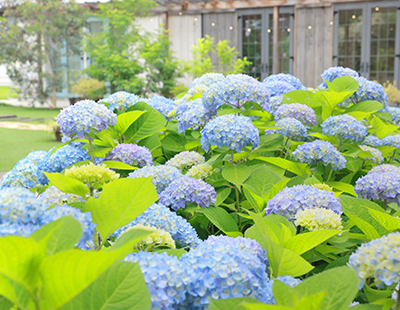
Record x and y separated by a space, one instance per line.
61 103
25 126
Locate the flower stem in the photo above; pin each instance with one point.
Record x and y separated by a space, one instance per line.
233 157
91 150
330 174
392 157
340 143
237 205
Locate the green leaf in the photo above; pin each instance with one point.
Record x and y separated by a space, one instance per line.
220 218
341 285
269 142
297 168
146 125
255 201
236 174
280 220
343 84
66 274
374 295
302 96
304 242
5 304
67 184
59 235
175 252
284 294
261 306
222 194
113 164
276 189
261 181
125 120
152 143
362 109
267 227
230 303
379 128
121 201
344 187
386 220
122 286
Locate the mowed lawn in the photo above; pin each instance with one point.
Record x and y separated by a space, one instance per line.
4 90
44 113
15 144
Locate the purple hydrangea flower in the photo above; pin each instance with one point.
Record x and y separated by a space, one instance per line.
371 140
393 140
84 116
185 160
287 78
384 168
376 154
208 79
230 130
120 101
346 126
192 114
292 129
370 90
333 73
322 151
162 105
274 103
277 88
301 112
131 154
395 112
292 199
188 190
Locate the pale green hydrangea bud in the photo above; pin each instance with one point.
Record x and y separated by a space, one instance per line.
92 174
318 219
323 187
202 171
157 239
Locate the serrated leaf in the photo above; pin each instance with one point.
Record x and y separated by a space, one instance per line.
121 202
67 184
374 295
302 96
113 164
220 218
344 187
261 181
386 220
222 194
276 189
125 120
152 143
306 241
297 168
236 174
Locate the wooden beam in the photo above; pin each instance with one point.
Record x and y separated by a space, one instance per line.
275 38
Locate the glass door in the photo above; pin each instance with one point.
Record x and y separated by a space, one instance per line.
367 39
256 40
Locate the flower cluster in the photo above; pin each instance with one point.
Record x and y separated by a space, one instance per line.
85 219
301 112
370 90
292 129
185 160
188 190
333 73
232 131
163 218
287 78
201 171
277 88
83 117
52 196
24 174
376 154
163 105
395 112
192 114
208 79
161 176
393 140
371 140
318 219
131 154
22 230
346 126
92 174
322 151
292 199
120 101
384 168
235 90
383 186
269 295
378 258
36 157
158 238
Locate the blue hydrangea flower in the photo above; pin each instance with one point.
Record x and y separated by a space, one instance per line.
185 160
225 267
395 112
20 206
322 151
188 190
23 230
192 114
276 88
269 295
235 90
166 278
393 140
292 199
163 218
333 73
53 196
382 186
274 103
163 105
120 101
376 154
301 112
384 168
346 126
287 78
161 176
84 116
378 258
232 131
36 156
371 140
85 219
131 154
24 174
370 90
208 79
292 129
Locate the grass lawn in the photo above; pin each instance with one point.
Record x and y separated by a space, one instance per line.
4 92
16 144
45 113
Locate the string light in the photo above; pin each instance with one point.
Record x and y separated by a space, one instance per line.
377 9
353 17
309 27
195 19
331 23
151 19
180 13
288 30
213 24
269 30
230 28
248 29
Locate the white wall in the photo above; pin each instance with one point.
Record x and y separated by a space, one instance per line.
4 79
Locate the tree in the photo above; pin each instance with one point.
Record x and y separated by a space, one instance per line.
34 35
